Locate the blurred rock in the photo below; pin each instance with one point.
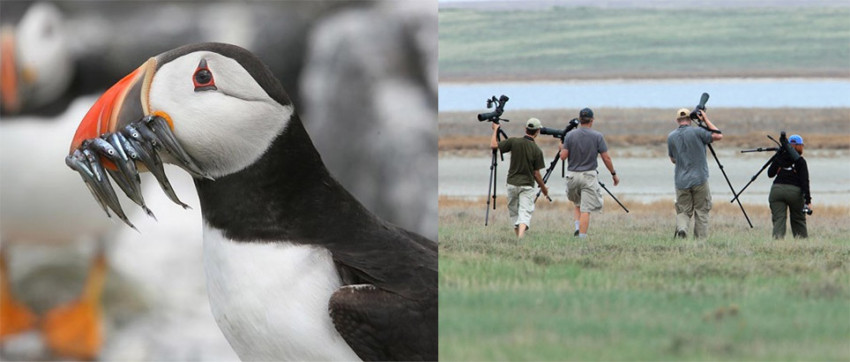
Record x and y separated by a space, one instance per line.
370 90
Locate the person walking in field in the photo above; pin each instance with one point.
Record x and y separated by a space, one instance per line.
524 171
790 191
686 148
580 148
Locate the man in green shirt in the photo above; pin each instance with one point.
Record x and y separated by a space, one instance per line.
526 162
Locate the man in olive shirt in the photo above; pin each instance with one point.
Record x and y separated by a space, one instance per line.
526 162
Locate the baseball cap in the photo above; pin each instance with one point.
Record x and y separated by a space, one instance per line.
533 123
795 139
585 113
682 113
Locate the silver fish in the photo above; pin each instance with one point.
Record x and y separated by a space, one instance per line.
148 156
160 127
104 188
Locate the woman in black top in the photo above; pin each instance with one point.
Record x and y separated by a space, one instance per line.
790 190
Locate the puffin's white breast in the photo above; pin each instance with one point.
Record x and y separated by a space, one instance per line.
271 299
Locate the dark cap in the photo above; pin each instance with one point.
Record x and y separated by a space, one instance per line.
585 113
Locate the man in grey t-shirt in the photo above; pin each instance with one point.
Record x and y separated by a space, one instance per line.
580 148
686 148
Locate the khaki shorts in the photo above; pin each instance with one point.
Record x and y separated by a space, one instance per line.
583 190
521 204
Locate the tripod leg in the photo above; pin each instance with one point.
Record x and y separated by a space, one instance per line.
546 176
730 184
753 179
490 184
494 185
613 197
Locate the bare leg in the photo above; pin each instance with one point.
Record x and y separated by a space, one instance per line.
584 223
521 230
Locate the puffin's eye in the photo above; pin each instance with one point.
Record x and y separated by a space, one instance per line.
203 77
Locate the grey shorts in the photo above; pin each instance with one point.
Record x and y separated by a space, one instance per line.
583 190
521 204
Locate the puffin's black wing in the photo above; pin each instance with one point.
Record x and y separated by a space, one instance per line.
383 326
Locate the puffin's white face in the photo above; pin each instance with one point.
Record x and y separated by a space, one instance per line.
222 117
44 60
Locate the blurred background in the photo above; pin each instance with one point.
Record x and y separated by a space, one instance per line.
362 75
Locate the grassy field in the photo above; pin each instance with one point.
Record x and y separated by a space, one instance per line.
632 292
594 43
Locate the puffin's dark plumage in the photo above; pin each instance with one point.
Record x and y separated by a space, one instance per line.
385 278
306 205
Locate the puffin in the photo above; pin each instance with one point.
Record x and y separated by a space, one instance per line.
296 267
36 63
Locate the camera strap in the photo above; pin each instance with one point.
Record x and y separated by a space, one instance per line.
700 125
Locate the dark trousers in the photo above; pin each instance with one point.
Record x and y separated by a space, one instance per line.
782 199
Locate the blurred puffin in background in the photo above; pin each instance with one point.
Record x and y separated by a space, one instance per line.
36 66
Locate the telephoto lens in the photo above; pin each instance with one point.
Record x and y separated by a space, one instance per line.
558 133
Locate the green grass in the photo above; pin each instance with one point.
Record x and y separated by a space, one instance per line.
632 292
598 43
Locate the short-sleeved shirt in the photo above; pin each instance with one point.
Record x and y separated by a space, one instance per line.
584 144
686 145
526 158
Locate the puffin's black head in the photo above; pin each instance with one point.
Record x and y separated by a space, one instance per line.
223 104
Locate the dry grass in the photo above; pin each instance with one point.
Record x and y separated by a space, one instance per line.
633 292
822 128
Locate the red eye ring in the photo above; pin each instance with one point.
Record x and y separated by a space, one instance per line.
203 78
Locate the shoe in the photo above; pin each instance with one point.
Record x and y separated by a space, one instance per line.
576 233
681 234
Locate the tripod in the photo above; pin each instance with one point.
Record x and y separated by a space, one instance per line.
546 176
710 148
491 187
612 196
779 152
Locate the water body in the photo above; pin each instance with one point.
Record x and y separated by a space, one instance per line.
727 93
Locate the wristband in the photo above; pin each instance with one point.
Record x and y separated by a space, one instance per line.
614 173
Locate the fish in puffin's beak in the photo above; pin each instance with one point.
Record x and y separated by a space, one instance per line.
121 135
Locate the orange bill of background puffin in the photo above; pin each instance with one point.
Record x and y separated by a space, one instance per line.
282 284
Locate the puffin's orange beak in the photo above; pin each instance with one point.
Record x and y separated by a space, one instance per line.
9 95
123 103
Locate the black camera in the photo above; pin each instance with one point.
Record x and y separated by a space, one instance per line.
495 114
700 107
560 133
807 210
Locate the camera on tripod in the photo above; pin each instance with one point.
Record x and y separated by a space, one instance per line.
700 107
495 114
560 133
